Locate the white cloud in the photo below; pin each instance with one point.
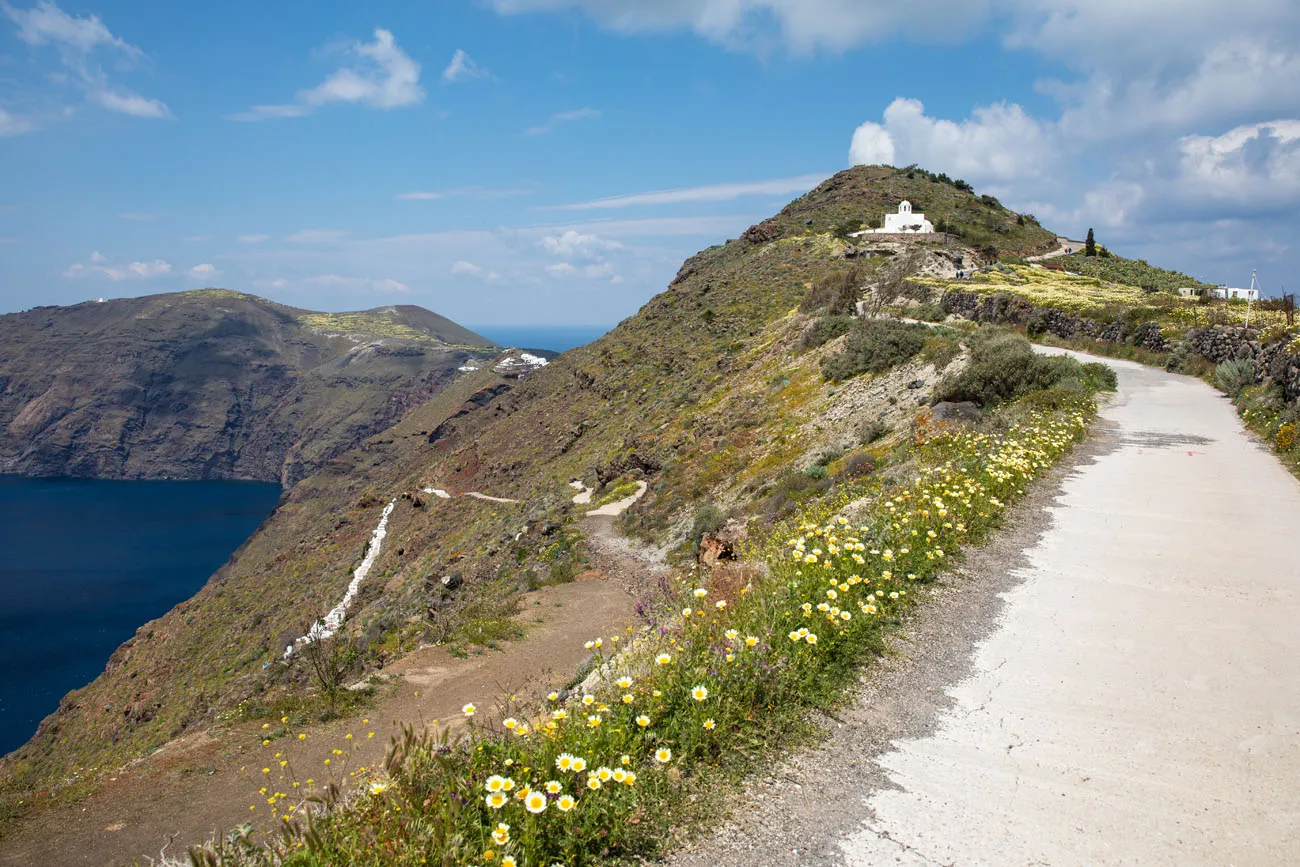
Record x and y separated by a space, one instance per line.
801 25
1255 164
125 102
78 42
203 272
575 245
463 68
481 193
384 77
561 269
11 126
997 143
318 236
253 239
367 284
461 268
710 193
562 118
129 271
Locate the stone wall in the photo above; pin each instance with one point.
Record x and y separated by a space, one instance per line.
1217 343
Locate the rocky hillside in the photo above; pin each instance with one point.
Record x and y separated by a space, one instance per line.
710 394
212 384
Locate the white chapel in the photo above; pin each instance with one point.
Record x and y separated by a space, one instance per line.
905 222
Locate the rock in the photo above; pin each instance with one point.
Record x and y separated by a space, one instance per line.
721 544
550 528
452 582
955 412
915 384
762 233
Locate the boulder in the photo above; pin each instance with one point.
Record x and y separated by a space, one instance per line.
722 544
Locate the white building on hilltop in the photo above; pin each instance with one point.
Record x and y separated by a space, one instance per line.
903 223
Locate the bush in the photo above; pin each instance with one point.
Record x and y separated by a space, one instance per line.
816 472
872 430
1004 366
836 292
874 346
1235 376
941 350
708 519
1100 377
824 330
929 312
856 466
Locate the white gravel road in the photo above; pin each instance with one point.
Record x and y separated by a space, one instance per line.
1135 701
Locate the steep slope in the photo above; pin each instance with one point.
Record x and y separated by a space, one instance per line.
211 384
704 394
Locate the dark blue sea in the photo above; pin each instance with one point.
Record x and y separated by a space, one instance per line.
85 563
556 338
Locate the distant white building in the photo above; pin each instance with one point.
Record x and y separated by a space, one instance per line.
903 223
1230 292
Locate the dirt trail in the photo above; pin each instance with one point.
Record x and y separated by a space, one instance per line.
204 784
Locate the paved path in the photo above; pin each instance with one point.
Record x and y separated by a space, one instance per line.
1136 702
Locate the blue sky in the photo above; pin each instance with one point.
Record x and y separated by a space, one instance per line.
554 161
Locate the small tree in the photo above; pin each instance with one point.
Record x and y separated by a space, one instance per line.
1090 245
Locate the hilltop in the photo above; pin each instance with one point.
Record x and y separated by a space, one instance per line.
212 384
710 395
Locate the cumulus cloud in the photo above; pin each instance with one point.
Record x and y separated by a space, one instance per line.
80 42
463 68
996 143
462 268
99 267
206 271
563 118
1253 163
572 244
383 77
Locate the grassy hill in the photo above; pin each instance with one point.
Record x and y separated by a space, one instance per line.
212 384
707 393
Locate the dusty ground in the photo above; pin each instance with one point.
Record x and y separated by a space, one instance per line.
204 784
1131 696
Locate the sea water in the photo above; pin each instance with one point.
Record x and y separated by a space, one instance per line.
84 563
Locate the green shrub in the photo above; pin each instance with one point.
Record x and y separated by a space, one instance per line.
836 292
874 346
929 312
872 430
816 472
708 519
941 350
1003 366
1100 377
1235 376
824 330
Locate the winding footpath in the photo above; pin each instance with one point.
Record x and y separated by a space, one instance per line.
1133 692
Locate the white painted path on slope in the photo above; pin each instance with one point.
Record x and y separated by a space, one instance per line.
1139 701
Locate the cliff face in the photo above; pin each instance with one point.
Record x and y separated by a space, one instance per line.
211 384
